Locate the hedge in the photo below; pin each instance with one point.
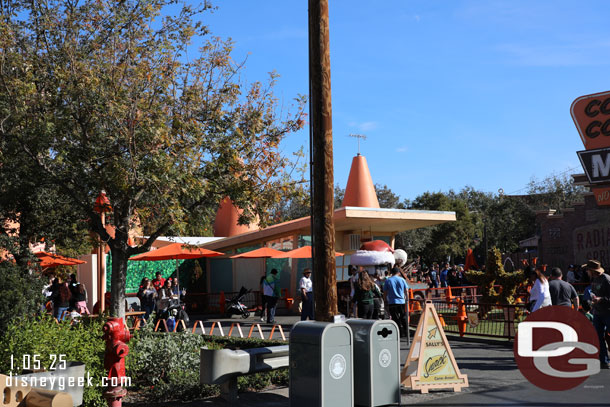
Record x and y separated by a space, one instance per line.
162 366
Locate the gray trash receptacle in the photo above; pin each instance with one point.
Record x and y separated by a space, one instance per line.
321 371
376 362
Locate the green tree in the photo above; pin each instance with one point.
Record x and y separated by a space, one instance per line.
21 289
101 95
32 210
339 195
387 198
554 192
447 239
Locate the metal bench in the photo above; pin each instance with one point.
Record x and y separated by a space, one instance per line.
224 366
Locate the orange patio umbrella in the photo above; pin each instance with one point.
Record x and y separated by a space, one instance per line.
176 251
262 253
300 253
50 260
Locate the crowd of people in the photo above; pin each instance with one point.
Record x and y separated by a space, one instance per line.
65 299
551 289
435 277
155 295
380 295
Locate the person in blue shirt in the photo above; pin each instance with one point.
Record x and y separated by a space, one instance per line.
395 289
433 283
444 274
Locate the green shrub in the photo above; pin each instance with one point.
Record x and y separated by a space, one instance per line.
162 366
166 366
43 336
21 294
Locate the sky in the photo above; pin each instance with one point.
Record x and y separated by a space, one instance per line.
448 93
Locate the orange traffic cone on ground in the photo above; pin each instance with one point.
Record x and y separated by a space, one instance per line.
411 300
221 302
448 294
462 318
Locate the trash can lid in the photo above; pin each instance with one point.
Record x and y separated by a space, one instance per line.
312 332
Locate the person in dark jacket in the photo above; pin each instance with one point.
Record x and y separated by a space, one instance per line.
147 295
364 295
600 299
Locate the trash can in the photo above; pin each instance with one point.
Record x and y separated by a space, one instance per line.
376 362
321 371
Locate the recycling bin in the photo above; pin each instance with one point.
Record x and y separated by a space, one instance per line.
321 370
376 362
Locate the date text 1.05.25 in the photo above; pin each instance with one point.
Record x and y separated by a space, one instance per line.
33 362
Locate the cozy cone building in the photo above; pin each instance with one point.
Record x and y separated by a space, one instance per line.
359 219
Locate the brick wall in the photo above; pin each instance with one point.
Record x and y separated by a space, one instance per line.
578 234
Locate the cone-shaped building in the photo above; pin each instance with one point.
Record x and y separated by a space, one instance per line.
227 216
360 190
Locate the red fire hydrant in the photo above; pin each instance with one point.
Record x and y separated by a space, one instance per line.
116 336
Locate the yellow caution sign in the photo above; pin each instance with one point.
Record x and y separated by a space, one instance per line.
431 364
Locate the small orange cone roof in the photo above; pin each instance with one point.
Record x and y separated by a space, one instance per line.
360 190
226 224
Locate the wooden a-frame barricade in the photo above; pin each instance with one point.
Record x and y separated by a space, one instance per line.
431 364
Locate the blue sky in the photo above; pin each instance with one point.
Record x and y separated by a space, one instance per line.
449 93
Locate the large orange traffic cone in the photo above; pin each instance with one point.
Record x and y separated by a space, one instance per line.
411 300
448 294
222 302
462 318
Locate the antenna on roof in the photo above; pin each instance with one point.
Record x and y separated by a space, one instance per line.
358 136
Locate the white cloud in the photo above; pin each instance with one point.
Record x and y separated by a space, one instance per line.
401 150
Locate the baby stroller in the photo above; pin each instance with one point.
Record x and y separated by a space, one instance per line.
173 314
235 305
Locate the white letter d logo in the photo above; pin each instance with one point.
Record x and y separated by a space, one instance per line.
526 336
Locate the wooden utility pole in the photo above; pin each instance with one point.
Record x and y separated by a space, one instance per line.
321 144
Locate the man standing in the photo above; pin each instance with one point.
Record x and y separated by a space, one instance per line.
443 277
271 290
434 276
562 293
600 298
263 297
571 277
306 287
395 288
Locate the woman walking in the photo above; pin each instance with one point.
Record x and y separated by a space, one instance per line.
540 296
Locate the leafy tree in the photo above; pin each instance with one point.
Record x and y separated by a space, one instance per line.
21 289
387 198
339 195
32 210
447 239
102 96
554 192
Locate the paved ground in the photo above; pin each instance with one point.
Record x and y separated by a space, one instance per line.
492 374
